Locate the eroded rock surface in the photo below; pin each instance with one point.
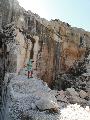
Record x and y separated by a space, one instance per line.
54 46
61 55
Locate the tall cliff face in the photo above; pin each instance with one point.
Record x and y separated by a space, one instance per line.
53 45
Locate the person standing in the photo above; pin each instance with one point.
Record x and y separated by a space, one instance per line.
29 67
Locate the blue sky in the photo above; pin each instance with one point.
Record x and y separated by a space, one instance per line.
74 12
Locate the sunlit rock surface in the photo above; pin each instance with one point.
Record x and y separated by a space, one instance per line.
61 57
53 45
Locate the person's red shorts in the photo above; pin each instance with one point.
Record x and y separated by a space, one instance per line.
30 73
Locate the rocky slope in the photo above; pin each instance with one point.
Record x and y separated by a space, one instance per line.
32 99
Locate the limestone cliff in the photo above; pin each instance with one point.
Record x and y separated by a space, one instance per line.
53 45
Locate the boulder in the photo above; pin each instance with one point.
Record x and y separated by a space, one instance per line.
62 99
29 95
75 99
61 96
71 92
47 104
83 94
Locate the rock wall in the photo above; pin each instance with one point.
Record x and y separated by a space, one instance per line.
53 45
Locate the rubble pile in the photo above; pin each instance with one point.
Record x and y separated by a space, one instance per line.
77 89
32 99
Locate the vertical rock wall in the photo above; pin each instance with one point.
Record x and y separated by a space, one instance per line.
53 45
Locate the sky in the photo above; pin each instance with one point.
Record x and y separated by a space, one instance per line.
74 12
